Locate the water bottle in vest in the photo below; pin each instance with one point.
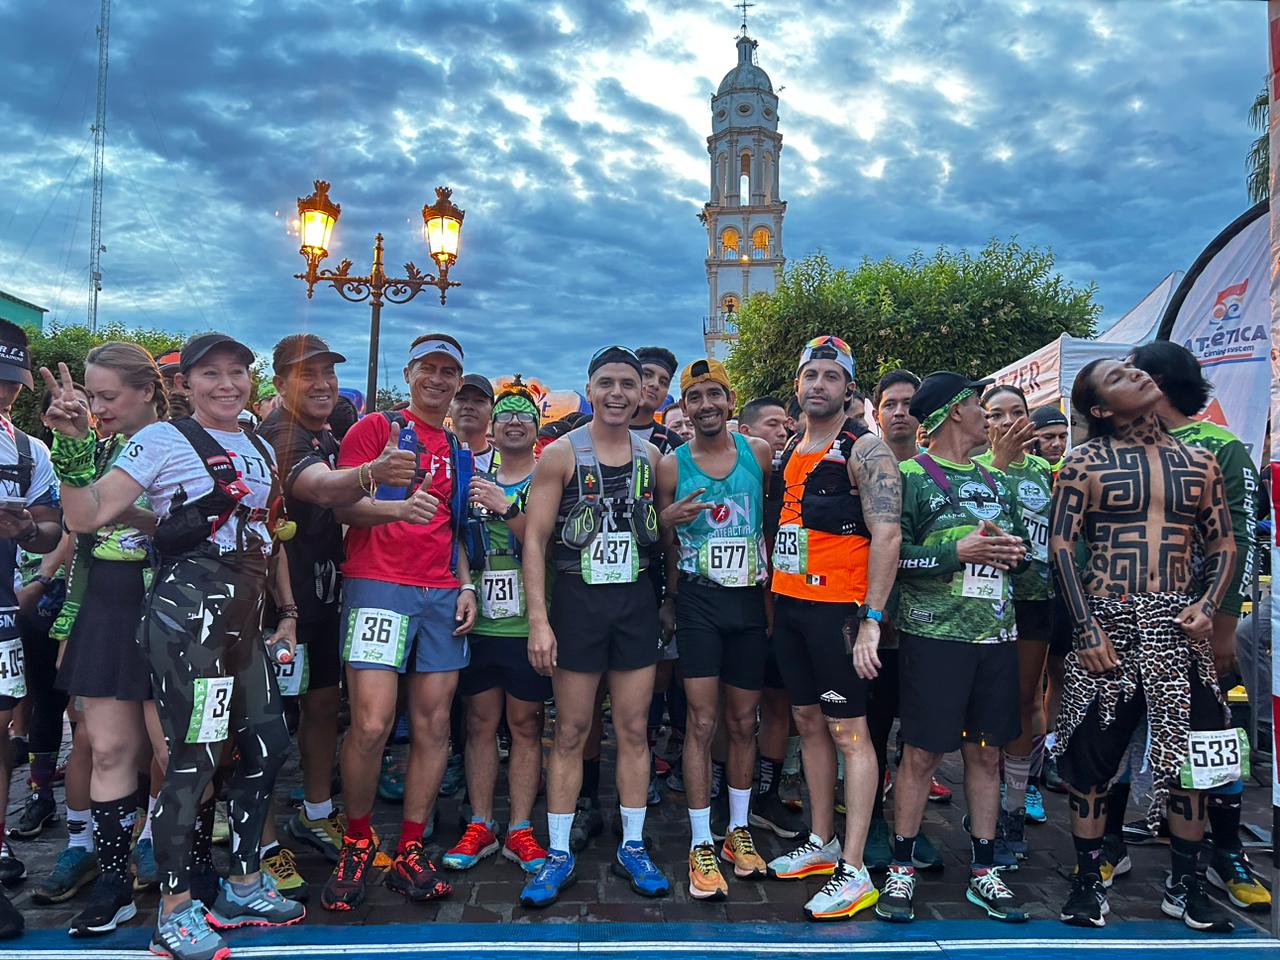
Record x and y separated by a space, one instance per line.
408 441
466 470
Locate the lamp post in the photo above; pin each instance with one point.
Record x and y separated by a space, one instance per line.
441 228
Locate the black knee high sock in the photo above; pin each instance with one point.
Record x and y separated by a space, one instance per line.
1117 802
1183 855
1224 822
112 830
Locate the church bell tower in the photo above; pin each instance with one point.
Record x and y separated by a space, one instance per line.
744 215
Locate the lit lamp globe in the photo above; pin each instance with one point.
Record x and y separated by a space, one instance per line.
316 216
441 226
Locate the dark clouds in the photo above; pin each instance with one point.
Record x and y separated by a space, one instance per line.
574 135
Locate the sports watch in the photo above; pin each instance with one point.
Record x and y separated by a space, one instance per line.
867 613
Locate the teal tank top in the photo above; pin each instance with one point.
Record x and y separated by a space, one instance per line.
725 544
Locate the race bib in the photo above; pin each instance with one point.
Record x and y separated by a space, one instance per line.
611 558
728 561
13 673
979 581
211 710
1215 758
791 550
294 677
376 636
1038 534
501 595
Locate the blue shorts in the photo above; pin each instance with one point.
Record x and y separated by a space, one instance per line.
390 626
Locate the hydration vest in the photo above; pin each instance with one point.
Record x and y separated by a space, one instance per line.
829 502
584 520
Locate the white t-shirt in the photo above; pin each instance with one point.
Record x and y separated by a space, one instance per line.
159 457
44 485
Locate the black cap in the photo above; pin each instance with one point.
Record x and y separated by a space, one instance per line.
301 347
480 383
1047 416
195 349
15 355
937 390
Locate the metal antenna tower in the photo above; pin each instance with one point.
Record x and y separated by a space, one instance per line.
99 146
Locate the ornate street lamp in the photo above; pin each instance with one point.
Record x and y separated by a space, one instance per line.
441 228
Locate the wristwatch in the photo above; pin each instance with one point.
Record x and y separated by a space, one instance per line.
513 511
867 613
469 587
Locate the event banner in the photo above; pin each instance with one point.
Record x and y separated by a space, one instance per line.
1273 87
1225 320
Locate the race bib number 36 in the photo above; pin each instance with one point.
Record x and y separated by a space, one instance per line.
730 561
13 675
376 636
1215 758
791 550
210 710
500 595
294 677
979 581
611 558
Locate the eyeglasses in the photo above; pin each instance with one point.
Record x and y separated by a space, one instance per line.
829 341
519 416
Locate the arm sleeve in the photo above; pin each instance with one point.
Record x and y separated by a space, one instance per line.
915 559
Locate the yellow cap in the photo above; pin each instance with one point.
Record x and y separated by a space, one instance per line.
701 371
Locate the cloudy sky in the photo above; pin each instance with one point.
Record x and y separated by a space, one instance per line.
574 135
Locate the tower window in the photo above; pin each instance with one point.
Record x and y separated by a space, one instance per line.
760 243
744 180
729 303
729 243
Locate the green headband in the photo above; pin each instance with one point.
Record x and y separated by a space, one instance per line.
518 403
935 419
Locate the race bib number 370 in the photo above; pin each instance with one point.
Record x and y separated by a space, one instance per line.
376 636
210 710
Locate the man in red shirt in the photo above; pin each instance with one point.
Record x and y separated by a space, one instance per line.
408 602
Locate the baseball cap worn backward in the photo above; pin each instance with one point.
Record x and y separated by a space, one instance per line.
199 346
938 393
615 354
291 352
704 371
828 347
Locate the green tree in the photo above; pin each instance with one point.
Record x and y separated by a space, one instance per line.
70 345
955 311
389 398
1258 162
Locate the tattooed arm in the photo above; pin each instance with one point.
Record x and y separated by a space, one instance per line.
1214 524
1066 521
873 469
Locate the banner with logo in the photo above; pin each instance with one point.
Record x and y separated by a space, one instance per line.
1273 16
1221 312
1046 376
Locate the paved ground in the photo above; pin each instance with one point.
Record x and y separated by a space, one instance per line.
488 894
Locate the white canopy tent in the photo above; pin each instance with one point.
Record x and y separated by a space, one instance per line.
1046 376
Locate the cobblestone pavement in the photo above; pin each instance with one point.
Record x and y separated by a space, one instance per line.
489 892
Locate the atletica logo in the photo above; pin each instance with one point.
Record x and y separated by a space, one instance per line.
1230 303
1228 340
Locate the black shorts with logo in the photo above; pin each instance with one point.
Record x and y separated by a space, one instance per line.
957 690
604 626
808 640
722 632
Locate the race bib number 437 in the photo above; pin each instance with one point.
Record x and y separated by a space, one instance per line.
376 636
611 558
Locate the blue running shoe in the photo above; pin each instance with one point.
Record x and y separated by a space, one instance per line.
455 776
145 872
261 906
557 874
1035 805
185 935
634 865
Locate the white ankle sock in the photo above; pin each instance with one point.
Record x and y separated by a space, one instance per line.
318 811
558 827
700 827
632 824
739 807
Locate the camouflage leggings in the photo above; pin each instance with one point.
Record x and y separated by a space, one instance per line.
203 619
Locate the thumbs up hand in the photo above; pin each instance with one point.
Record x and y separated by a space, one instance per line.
394 467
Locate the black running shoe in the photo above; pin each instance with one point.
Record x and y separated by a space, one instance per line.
110 904
415 877
1087 905
770 813
12 870
588 822
1188 901
39 811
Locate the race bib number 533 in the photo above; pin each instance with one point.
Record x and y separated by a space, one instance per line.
1215 758
376 636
